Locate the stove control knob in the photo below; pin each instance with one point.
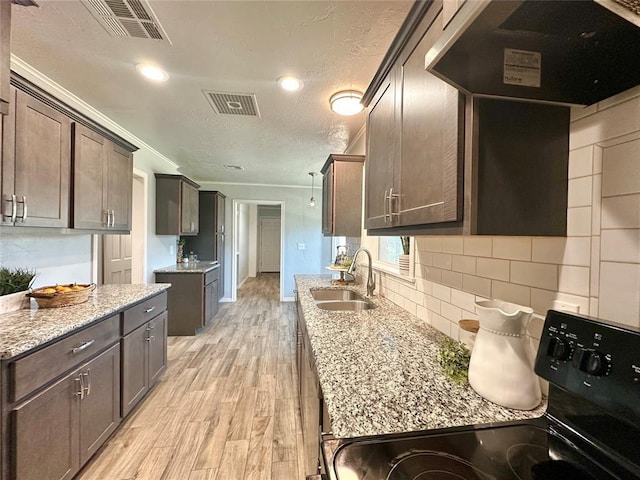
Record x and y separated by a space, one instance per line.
559 349
593 362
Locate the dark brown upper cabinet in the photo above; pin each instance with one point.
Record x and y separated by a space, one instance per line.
177 205
342 195
5 55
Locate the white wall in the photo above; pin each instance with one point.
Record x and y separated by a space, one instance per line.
253 240
67 257
596 267
303 225
242 254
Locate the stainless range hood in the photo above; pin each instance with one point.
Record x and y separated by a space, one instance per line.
571 52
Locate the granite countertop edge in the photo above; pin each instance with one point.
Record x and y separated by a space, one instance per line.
25 330
200 267
379 371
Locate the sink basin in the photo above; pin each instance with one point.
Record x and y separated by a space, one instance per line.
345 305
336 294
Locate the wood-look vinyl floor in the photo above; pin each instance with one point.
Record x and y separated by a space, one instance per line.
226 407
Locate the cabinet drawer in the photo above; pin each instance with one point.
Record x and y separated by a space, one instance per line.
143 312
211 276
39 368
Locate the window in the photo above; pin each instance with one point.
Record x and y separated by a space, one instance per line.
389 249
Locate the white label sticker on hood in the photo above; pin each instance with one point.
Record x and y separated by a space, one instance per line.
522 68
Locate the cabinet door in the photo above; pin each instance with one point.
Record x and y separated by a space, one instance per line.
89 179
119 186
157 347
188 208
327 201
382 153
5 54
42 163
45 431
431 143
211 301
100 407
220 235
135 368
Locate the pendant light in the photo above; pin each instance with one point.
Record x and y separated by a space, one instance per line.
312 201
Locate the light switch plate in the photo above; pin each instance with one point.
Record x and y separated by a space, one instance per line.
566 306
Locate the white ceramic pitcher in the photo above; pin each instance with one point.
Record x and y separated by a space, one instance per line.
501 366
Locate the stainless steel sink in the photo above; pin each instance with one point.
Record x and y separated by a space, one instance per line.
341 294
345 305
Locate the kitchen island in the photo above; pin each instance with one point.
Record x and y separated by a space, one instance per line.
379 373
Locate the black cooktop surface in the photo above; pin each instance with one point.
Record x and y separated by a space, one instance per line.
518 452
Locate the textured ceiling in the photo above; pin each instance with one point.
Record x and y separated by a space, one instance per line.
229 46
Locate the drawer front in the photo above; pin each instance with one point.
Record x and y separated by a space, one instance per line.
39 368
139 314
211 276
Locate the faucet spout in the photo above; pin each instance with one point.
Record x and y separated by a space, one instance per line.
371 284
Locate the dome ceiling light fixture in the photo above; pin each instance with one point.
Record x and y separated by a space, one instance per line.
290 83
346 102
152 72
312 201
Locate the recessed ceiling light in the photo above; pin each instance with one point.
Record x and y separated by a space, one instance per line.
346 102
152 72
290 83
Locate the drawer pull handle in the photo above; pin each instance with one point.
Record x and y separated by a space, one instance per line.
149 310
81 392
84 346
87 387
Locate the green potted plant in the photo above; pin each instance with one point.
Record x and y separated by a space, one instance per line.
14 282
404 259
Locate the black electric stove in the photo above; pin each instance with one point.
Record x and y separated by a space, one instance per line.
591 430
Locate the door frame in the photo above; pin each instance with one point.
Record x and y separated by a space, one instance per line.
234 243
139 230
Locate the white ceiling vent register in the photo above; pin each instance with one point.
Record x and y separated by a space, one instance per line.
127 18
226 103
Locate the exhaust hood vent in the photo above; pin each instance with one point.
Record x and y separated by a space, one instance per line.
556 51
127 18
225 103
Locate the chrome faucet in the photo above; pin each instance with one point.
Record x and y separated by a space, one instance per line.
371 284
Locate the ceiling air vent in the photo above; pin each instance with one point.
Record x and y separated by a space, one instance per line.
233 103
127 18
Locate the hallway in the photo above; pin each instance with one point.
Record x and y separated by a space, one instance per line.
226 408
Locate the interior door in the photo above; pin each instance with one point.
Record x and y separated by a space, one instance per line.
270 244
117 259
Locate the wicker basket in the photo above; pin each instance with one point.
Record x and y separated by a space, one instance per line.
62 299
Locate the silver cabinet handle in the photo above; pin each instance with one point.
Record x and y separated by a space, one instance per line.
24 209
84 346
392 196
87 387
81 392
106 212
113 218
149 310
385 204
14 208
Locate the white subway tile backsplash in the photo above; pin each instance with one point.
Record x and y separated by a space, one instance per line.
425 258
429 244
464 300
477 246
619 98
580 192
453 245
542 300
441 323
597 159
539 275
442 292
621 168
422 313
574 280
619 286
579 222
452 279
581 112
442 260
478 285
596 205
581 162
621 246
432 274
593 307
562 250
410 307
595 267
424 286
463 264
493 268
509 292
512 248
610 123
621 212
432 304
450 312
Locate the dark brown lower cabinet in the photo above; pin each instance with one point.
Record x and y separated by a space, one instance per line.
144 358
60 428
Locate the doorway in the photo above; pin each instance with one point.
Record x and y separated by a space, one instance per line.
122 258
258 230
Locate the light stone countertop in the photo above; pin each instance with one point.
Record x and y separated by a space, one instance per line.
201 266
24 330
379 370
